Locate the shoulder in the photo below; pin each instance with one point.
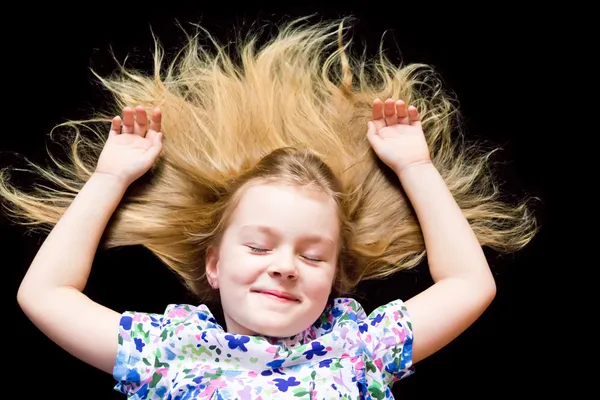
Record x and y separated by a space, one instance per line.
387 336
348 308
339 311
388 325
177 314
173 315
393 312
345 308
141 333
147 341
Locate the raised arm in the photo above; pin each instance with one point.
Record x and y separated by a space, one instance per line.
51 291
464 286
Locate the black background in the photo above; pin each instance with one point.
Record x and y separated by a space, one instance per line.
495 58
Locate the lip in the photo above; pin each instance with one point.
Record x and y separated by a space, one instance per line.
282 296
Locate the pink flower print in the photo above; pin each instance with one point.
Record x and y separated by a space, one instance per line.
138 317
360 364
218 383
401 334
178 312
212 386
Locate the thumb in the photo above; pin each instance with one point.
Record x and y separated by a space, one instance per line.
158 139
372 136
156 146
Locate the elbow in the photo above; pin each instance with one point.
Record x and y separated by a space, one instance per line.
491 285
24 296
488 290
26 291
483 287
491 292
21 295
29 295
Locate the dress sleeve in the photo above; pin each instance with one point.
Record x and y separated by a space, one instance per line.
148 345
388 335
138 338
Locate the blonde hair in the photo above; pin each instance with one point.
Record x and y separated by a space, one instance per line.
224 112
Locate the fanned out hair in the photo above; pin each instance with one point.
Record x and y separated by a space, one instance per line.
293 109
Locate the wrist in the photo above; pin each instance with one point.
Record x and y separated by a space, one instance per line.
112 182
411 170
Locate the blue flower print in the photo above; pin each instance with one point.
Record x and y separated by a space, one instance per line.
317 350
155 322
276 364
377 319
126 322
139 344
325 363
284 384
169 354
237 342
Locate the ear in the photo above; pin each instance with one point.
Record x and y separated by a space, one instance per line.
212 266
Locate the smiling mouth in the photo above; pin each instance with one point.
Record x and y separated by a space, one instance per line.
282 297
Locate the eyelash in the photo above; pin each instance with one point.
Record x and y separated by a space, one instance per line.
259 250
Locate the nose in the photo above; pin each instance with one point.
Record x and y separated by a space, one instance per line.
283 270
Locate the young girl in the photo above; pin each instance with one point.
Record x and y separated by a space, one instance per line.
282 180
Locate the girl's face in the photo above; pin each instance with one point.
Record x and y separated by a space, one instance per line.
277 260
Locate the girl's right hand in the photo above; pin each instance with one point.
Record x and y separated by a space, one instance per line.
132 146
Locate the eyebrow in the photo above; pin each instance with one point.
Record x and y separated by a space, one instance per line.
274 232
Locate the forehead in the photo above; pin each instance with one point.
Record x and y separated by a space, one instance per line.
289 209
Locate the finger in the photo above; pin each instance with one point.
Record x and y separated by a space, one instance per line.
390 112
115 126
413 114
155 123
377 114
401 112
128 121
141 121
156 120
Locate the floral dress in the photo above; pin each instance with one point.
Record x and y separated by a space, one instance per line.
185 354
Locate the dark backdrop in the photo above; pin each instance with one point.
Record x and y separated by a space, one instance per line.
492 58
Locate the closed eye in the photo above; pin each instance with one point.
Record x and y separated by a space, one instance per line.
257 249
312 260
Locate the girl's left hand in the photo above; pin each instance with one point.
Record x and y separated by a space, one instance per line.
396 135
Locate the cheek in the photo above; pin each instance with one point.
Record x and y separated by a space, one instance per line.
319 281
241 268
